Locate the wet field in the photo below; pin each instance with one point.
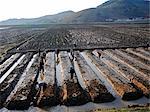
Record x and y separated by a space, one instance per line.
111 64
112 78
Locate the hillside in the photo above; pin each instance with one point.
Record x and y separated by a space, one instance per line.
112 9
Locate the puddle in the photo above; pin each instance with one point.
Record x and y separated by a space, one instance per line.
85 107
115 104
59 76
80 79
11 69
1 28
100 76
28 67
8 62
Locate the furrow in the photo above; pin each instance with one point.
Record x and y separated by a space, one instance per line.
94 86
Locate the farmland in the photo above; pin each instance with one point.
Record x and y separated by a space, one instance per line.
75 36
111 64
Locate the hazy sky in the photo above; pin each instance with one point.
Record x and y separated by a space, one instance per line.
37 8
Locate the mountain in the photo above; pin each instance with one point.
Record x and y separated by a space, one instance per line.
115 9
112 9
57 18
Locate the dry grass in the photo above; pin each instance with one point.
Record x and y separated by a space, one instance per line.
136 109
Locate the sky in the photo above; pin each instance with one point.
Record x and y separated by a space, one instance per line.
10 9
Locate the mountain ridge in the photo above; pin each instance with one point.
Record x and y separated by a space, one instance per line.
110 10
